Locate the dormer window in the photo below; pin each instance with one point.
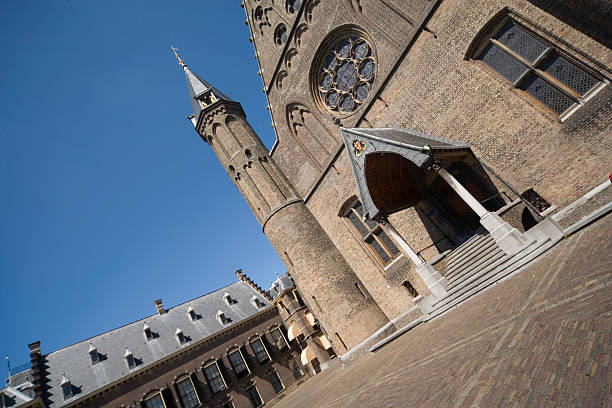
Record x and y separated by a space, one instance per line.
129 359
192 314
228 299
66 387
147 332
180 336
257 302
221 317
93 353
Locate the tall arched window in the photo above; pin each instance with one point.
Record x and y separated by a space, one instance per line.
371 233
530 63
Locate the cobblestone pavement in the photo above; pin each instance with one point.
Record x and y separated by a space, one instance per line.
541 338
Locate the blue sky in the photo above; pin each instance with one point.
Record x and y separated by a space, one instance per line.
110 199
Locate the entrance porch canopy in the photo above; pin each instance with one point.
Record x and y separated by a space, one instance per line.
386 182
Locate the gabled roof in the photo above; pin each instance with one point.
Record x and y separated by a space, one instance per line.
75 362
404 142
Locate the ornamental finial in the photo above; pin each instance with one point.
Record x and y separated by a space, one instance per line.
181 62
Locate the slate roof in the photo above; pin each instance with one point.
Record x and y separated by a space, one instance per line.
404 142
279 285
197 86
74 362
15 396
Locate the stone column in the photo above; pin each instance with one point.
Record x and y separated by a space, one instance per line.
436 283
508 238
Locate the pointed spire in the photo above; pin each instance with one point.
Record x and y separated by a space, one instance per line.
202 94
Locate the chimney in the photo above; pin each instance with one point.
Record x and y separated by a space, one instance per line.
35 358
159 306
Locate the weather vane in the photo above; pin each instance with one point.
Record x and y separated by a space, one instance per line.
174 50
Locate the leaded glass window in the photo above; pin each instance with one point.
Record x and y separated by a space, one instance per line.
155 401
538 68
187 393
213 376
375 238
346 74
237 362
260 350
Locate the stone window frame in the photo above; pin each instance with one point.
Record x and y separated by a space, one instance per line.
280 380
238 349
347 207
182 378
295 365
254 339
486 36
152 394
258 393
331 39
208 381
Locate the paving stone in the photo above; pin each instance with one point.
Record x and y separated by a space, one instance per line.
541 338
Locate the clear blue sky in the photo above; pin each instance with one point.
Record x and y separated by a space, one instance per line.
109 199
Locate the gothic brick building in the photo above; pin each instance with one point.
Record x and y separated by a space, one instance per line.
425 150
423 147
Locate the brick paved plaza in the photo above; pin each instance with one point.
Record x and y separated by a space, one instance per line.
541 338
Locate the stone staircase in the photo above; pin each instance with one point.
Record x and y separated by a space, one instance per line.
479 263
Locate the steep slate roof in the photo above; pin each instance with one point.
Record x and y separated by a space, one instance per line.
197 87
75 362
279 285
404 142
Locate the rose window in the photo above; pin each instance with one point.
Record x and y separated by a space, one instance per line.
346 75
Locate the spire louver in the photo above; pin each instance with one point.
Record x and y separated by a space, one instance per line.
202 94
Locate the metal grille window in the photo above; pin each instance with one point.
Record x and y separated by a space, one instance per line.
539 69
155 401
279 339
237 362
260 351
214 378
187 393
276 382
254 397
373 235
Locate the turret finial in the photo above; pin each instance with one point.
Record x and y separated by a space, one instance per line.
181 62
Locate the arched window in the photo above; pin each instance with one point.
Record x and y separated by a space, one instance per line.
538 68
280 34
371 233
344 72
292 6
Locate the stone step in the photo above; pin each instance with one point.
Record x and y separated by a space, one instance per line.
490 275
465 246
483 246
496 255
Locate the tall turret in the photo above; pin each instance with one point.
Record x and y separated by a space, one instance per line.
320 272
